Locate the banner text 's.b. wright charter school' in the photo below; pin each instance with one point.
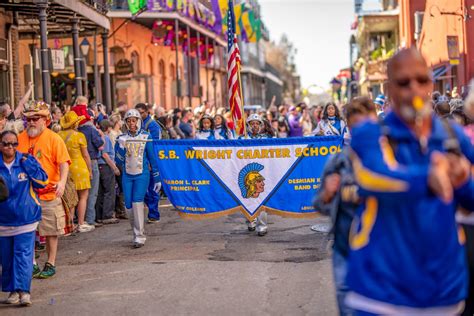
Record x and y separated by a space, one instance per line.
204 178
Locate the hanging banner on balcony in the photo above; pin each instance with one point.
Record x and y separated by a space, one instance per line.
136 5
193 9
204 178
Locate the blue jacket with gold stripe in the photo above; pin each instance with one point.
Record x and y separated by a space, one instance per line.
22 206
406 248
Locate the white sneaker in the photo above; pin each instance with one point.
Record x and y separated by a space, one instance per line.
13 298
85 228
25 299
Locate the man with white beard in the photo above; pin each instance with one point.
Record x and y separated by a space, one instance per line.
51 152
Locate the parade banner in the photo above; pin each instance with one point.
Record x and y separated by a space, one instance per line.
204 178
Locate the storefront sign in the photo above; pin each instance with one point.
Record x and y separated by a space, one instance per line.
123 67
57 56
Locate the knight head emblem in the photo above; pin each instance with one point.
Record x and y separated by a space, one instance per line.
251 182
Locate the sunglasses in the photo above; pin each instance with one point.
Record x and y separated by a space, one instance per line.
33 119
406 82
6 144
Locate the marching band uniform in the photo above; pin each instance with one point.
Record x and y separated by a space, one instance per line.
205 134
221 133
134 154
260 223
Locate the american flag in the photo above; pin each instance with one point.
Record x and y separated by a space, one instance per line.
233 74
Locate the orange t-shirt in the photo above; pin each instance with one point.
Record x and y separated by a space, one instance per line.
49 149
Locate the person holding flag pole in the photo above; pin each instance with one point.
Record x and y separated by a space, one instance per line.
236 102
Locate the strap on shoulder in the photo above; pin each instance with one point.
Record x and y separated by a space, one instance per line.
451 143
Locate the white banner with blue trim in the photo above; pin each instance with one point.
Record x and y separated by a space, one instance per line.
204 178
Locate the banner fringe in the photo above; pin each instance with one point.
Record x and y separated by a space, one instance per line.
286 214
196 217
269 210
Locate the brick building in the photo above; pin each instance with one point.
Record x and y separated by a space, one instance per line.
443 30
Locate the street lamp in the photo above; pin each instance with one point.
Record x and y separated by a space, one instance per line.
85 47
214 85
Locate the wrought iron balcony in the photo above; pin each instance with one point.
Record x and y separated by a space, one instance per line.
118 5
101 6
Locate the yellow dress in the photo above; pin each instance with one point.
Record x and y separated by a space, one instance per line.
78 169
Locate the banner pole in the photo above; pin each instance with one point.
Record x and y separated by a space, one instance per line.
232 9
242 109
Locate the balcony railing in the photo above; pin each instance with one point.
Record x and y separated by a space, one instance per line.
377 67
102 6
118 5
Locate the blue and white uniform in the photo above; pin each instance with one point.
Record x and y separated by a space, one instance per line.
220 133
205 134
135 156
18 224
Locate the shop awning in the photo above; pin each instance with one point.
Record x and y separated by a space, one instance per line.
440 71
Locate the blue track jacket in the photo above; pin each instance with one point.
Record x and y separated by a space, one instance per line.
151 126
406 248
22 207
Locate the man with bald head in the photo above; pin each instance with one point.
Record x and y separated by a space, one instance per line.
413 172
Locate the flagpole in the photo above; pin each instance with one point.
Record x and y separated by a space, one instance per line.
231 7
242 96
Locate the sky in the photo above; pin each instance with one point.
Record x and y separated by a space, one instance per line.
319 29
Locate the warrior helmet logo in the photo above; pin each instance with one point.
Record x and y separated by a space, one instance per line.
251 182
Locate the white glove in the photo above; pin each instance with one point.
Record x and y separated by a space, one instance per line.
157 187
121 142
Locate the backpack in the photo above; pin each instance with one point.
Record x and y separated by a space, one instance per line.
164 131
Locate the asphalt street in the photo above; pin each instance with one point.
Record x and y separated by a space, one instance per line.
209 267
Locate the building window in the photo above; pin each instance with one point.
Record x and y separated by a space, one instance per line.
173 83
150 65
381 45
244 52
162 73
136 63
172 72
116 53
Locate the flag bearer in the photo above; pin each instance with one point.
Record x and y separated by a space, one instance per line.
255 130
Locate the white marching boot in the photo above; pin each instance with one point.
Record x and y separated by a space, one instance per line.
137 221
262 227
